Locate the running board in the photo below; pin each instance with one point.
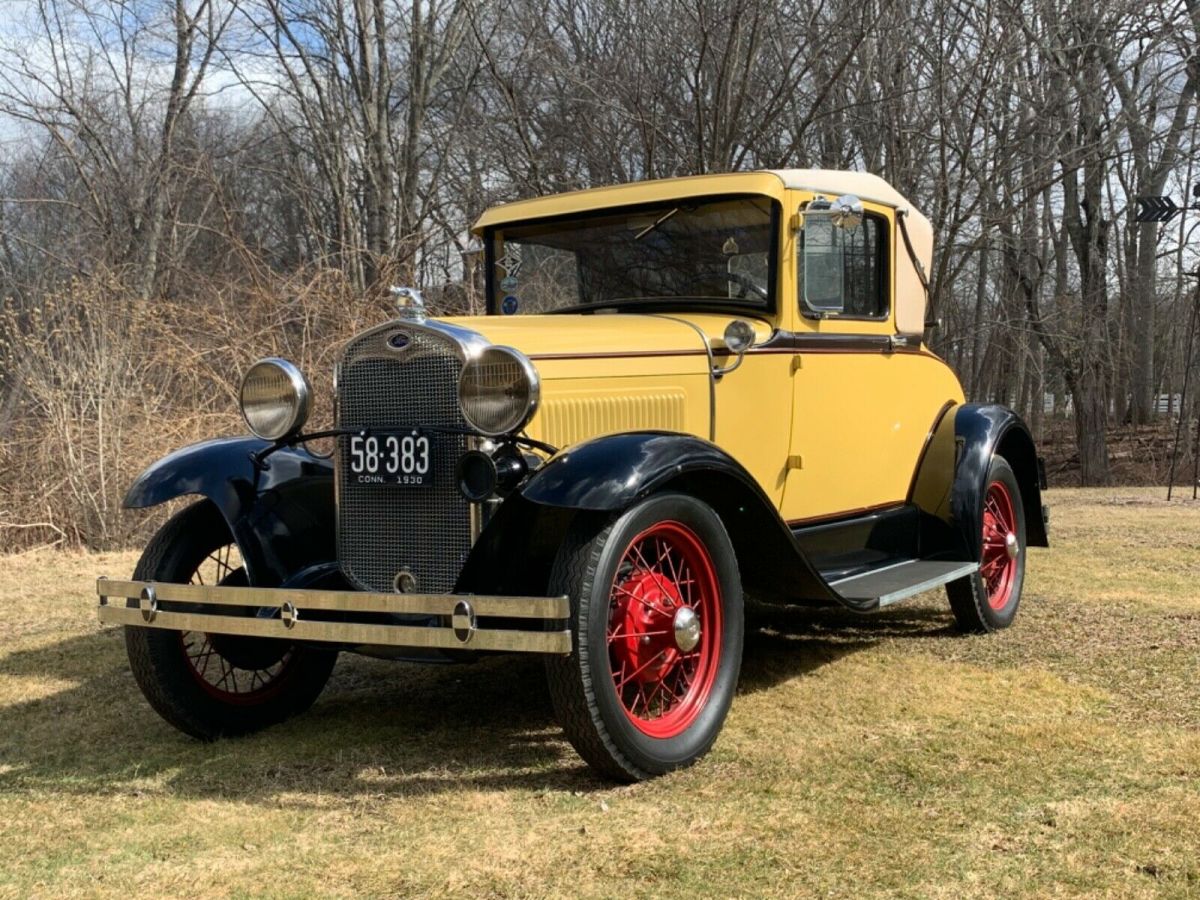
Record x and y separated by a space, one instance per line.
901 580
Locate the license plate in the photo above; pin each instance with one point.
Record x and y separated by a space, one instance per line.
402 459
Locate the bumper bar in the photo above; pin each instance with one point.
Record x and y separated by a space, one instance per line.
285 613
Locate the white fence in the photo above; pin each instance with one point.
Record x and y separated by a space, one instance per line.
1164 404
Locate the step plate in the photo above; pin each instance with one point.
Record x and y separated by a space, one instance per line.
902 580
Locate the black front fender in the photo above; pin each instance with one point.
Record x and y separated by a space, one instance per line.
609 474
280 512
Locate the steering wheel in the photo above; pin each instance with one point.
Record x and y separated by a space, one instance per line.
748 286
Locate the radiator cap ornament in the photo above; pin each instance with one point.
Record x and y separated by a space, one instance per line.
410 302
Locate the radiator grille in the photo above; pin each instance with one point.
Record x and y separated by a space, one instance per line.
385 528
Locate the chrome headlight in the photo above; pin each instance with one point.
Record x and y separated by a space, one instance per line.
498 391
275 399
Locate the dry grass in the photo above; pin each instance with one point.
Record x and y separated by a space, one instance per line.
880 756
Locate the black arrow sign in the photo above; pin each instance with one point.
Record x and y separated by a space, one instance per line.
1156 209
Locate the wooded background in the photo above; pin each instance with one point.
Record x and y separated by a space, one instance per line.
186 185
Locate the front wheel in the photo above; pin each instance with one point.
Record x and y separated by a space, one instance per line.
988 600
209 685
657 625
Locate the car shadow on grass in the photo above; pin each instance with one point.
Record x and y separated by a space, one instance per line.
785 642
379 729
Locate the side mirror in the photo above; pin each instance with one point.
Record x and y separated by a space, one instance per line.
846 212
738 337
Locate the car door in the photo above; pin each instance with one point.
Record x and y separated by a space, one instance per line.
863 399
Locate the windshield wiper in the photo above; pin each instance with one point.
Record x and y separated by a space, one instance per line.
587 307
649 228
620 304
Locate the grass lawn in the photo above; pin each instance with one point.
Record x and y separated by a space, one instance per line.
885 755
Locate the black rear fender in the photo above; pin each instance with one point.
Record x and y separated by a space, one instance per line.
951 478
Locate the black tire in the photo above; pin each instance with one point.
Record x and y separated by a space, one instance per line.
584 688
162 662
979 607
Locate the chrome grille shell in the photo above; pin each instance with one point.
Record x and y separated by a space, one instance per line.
384 529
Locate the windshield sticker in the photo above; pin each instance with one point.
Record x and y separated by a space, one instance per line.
508 283
511 260
509 305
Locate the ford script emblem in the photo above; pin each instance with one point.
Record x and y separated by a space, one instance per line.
399 340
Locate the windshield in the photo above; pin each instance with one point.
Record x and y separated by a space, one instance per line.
710 252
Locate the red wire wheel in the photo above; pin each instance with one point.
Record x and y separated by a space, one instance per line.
241 671
1001 547
664 629
216 685
234 670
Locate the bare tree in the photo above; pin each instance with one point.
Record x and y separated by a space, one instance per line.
109 96
357 84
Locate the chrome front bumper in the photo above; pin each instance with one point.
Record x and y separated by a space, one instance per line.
285 613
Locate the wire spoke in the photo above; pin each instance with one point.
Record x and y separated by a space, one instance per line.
632 596
668 554
646 567
638 634
643 667
663 569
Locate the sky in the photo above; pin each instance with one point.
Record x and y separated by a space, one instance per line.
93 43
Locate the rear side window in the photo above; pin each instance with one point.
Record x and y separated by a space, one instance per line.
844 270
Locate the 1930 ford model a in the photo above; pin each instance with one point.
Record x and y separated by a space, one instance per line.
683 389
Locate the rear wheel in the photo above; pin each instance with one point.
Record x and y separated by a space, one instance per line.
209 685
656 606
988 600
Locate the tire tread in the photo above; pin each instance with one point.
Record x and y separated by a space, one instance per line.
968 596
572 694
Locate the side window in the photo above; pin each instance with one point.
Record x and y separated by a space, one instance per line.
843 272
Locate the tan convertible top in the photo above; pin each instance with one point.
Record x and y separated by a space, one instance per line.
910 291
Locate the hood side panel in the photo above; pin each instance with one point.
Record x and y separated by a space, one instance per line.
570 416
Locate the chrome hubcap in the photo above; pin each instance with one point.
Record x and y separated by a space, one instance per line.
687 629
1011 547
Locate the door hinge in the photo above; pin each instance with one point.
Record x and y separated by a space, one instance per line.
797 365
903 342
795 462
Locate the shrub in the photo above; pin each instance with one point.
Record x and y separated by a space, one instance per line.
97 385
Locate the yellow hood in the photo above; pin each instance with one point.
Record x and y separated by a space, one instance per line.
612 373
585 336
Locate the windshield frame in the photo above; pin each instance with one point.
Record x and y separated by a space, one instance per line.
747 306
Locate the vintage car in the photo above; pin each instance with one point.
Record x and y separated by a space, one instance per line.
683 392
